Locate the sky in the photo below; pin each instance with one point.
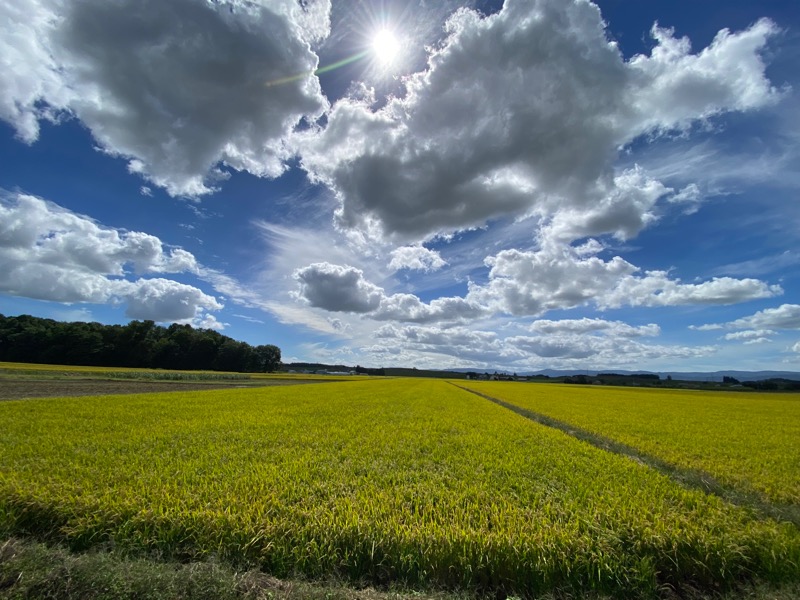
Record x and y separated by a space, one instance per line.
515 185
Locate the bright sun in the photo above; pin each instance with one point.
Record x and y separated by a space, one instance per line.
385 46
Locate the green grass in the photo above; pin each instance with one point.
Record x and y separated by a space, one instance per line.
30 569
388 482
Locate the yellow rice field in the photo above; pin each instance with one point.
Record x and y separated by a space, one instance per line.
407 481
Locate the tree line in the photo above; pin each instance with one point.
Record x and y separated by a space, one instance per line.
137 344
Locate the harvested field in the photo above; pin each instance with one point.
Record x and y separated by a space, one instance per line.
20 389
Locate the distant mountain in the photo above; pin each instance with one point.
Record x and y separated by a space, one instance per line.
682 376
740 375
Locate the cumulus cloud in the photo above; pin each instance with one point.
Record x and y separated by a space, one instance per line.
30 72
50 253
166 300
176 87
523 112
407 307
416 258
786 316
34 230
561 277
531 283
656 288
338 288
674 87
760 327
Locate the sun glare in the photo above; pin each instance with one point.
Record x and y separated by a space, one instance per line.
385 46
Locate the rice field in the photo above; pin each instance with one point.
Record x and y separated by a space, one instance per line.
407 481
748 441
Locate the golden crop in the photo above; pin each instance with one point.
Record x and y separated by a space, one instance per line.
407 480
746 440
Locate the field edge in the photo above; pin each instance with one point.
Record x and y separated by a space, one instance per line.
31 568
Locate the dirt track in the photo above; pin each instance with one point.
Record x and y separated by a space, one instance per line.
19 389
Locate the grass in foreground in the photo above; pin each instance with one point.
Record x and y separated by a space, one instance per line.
30 569
407 482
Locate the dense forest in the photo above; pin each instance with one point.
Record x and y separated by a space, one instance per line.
137 344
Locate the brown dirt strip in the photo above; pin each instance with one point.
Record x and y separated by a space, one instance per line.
21 389
688 478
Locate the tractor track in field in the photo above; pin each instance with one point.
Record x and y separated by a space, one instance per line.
688 478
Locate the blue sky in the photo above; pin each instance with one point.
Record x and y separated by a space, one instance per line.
520 185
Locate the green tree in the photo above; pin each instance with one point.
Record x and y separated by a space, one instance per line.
269 358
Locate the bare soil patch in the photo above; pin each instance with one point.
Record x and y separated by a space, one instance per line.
20 389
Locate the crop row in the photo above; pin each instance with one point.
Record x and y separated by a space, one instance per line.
411 481
748 441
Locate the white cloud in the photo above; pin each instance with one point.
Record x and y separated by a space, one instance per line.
786 316
585 325
50 253
34 230
523 112
416 258
750 336
689 194
655 288
166 300
30 71
561 277
756 327
708 327
531 283
603 350
208 321
175 87
673 87
407 307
